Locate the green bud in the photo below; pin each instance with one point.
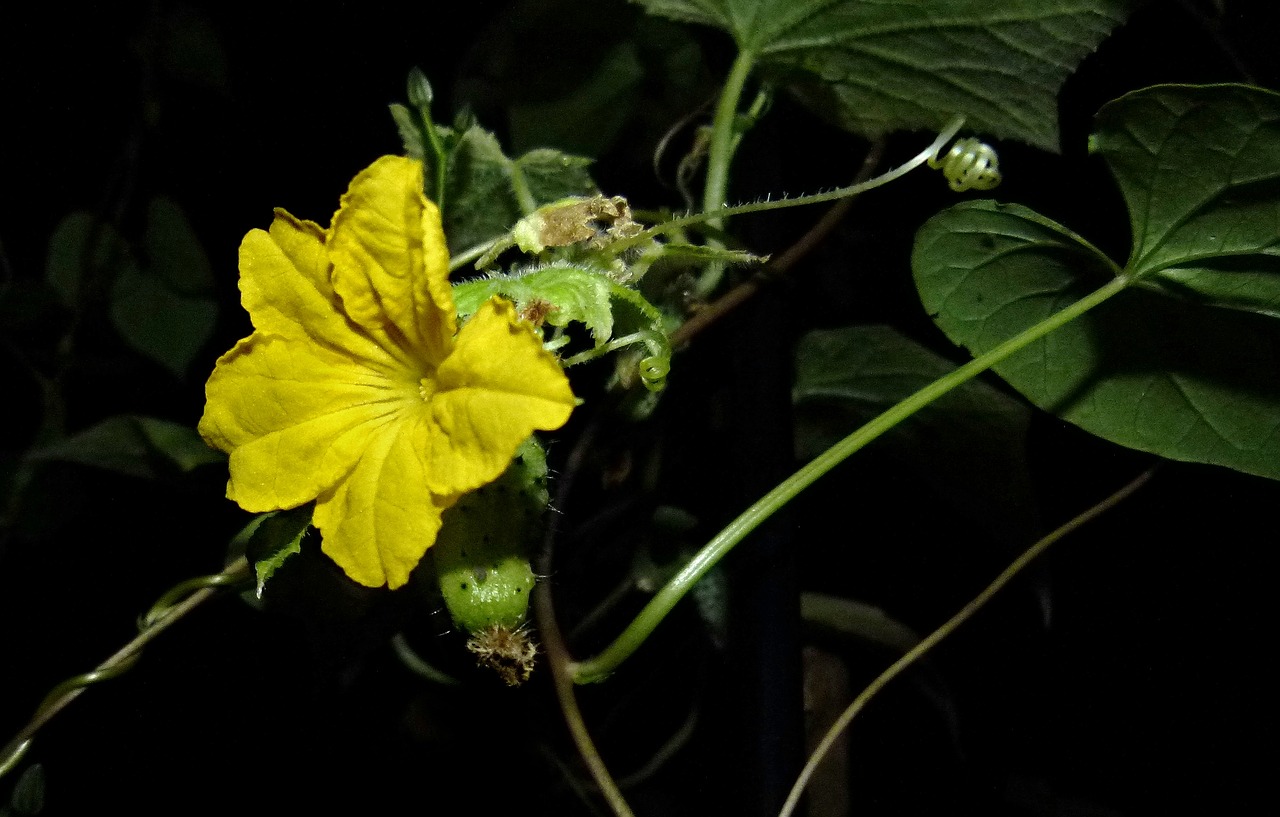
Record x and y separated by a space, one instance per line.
419 90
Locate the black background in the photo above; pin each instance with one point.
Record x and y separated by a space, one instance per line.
1127 675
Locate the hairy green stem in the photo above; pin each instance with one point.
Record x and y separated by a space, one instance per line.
720 155
714 217
723 130
598 668
470 254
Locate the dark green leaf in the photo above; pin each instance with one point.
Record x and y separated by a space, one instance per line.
165 310
488 192
174 254
70 266
969 445
1199 167
167 327
902 64
1143 370
134 445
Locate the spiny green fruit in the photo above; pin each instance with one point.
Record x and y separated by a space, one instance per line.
482 551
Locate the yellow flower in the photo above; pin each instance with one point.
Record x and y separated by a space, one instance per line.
353 389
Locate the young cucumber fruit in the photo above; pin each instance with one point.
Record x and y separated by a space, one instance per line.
482 551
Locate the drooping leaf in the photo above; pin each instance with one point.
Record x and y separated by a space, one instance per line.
134 445
970 445
1199 167
876 67
166 310
1143 370
488 191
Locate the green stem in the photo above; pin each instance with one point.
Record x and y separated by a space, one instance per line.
720 155
438 152
163 614
520 186
470 254
723 129
718 215
598 668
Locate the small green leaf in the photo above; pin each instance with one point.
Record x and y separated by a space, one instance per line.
574 293
906 64
70 267
703 254
410 130
1199 167
134 445
969 445
1142 370
274 539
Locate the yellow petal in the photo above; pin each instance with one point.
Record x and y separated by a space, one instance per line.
379 521
495 389
390 260
295 417
284 285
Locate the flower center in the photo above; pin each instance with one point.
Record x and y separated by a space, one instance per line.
426 388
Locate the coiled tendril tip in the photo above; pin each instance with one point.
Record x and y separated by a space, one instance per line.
971 164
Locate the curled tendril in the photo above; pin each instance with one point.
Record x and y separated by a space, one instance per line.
971 164
654 367
173 603
653 371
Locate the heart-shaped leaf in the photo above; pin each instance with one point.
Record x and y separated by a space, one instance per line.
913 64
166 308
1199 167
1143 370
